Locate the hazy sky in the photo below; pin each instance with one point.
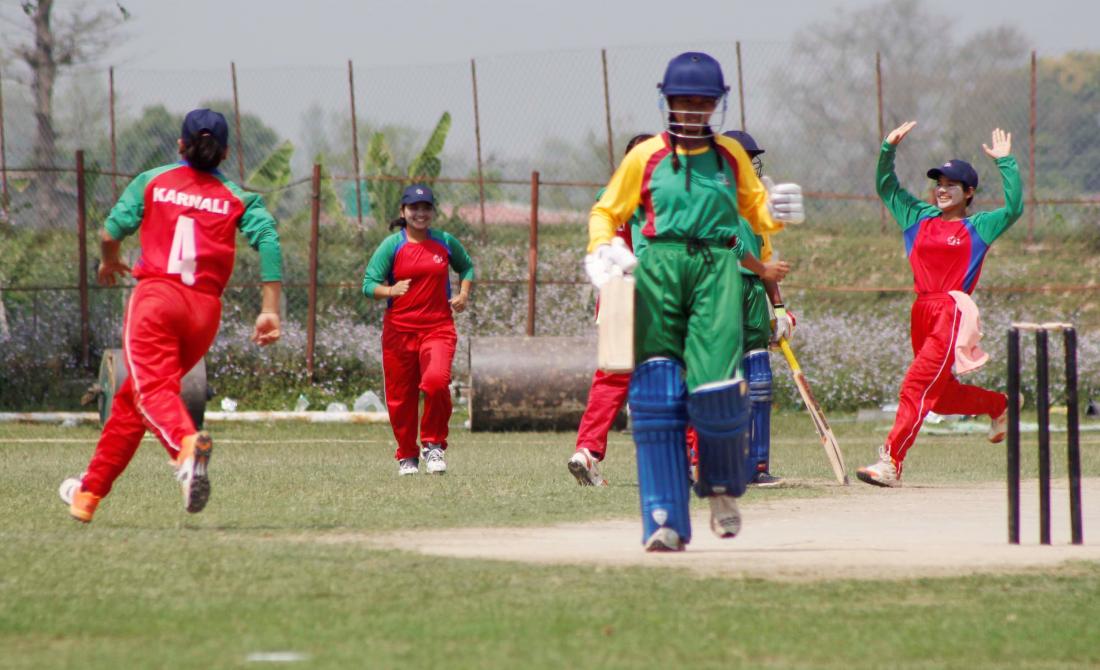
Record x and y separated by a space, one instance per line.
260 33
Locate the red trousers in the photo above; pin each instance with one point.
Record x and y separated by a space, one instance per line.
416 362
168 328
606 398
929 384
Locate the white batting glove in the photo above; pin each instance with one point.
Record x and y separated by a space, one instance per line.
783 326
784 201
599 263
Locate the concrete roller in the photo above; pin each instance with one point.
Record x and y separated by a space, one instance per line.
531 383
112 372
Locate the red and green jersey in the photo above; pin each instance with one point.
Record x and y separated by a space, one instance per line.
947 255
706 208
427 303
187 220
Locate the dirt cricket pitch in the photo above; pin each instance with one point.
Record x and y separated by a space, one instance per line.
861 532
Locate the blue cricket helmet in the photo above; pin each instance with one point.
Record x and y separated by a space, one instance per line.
694 73
746 141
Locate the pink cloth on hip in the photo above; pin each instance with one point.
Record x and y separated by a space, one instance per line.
969 355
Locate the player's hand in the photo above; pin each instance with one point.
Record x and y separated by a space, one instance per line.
783 325
110 271
400 288
1002 145
598 264
267 329
775 271
898 134
784 201
458 303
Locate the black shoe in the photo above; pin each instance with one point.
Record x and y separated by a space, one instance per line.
765 479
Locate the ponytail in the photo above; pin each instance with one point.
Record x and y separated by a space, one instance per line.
399 222
203 152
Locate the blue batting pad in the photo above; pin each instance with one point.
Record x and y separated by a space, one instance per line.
720 414
658 414
758 369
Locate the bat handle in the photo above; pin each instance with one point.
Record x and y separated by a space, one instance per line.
785 347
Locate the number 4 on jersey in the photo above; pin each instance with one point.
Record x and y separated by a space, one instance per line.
181 259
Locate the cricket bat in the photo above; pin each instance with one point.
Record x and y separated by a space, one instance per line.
615 325
828 440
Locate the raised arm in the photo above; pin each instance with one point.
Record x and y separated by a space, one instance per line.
991 225
906 209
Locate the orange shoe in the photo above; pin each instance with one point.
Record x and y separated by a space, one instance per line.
83 505
191 465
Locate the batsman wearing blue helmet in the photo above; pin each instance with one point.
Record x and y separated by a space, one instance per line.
692 184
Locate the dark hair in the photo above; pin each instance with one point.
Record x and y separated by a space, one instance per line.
636 140
203 152
676 159
399 222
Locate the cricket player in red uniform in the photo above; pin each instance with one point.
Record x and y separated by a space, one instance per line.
411 271
187 215
946 246
607 395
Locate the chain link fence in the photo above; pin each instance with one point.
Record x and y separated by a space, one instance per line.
528 141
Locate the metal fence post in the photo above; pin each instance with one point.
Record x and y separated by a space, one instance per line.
881 128
1033 124
477 138
314 226
82 255
3 156
740 86
533 254
114 145
355 145
237 115
607 115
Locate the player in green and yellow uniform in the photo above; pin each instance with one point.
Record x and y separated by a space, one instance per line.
692 185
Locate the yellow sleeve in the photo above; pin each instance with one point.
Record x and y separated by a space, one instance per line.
752 197
621 197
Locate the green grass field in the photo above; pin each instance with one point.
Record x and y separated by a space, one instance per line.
148 586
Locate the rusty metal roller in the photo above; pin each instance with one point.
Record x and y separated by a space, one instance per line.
531 383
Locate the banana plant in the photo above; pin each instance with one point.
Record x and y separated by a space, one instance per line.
385 195
273 174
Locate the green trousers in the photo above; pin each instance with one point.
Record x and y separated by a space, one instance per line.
688 307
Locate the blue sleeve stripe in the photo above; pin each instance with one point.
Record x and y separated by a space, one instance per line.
910 236
978 249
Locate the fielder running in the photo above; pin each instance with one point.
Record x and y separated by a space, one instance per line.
946 247
691 185
187 214
410 270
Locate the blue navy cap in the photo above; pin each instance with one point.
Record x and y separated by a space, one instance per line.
199 121
417 193
956 170
746 141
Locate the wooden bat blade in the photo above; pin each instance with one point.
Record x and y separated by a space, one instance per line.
828 440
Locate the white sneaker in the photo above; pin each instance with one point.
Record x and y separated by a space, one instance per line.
69 487
585 467
883 473
998 428
433 459
408 466
725 518
664 539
